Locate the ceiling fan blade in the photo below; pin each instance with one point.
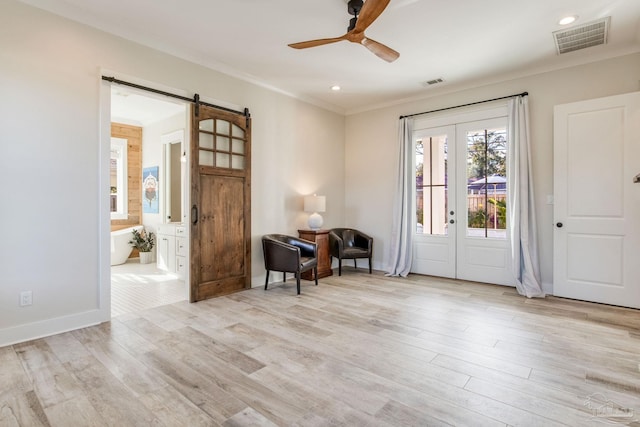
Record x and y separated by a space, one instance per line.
369 13
380 50
318 42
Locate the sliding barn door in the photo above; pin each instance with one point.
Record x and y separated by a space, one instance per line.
221 203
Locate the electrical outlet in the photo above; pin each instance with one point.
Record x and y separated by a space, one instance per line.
26 298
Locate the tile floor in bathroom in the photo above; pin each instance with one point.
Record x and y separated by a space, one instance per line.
136 287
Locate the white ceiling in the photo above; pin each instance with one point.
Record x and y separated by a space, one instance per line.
464 42
138 108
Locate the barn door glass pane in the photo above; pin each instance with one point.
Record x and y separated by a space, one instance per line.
206 125
221 144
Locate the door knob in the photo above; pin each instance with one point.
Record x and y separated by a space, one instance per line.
451 213
559 225
451 221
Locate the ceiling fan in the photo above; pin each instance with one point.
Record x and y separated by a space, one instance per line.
364 13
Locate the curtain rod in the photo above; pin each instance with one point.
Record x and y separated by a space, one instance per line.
465 105
195 100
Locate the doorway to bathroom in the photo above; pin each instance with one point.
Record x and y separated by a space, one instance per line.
148 177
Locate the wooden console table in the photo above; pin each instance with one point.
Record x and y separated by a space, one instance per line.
321 237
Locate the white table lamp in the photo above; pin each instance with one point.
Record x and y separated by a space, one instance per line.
315 204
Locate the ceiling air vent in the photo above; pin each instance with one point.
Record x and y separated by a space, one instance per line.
575 38
432 82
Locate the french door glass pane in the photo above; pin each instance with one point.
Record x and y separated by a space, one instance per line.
487 183
431 185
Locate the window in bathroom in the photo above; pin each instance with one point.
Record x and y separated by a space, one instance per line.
118 178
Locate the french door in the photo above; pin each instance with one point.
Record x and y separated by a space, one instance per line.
460 201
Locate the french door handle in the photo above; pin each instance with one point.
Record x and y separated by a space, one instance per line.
194 214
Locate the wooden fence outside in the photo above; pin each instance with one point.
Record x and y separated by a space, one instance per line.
495 215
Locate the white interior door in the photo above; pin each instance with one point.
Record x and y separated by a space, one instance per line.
597 203
461 229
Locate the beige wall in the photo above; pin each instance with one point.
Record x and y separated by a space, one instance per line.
371 144
55 219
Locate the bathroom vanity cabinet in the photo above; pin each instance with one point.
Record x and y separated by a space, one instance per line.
172 248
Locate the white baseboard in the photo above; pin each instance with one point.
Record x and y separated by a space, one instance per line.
48 327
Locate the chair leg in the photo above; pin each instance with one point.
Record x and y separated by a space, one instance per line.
355 263
298 281
315 274
369 265
339 266
284 276
266 281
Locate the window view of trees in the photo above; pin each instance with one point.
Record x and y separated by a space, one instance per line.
487 154
487 182
486 185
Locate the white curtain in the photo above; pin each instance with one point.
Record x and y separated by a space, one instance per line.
520 203
401 248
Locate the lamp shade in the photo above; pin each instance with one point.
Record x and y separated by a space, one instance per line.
314 203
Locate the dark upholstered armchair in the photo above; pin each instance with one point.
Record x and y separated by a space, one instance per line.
348 243
289 255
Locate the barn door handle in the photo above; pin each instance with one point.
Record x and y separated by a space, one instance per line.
194 214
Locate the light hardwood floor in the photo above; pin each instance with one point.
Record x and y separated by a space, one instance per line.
356 350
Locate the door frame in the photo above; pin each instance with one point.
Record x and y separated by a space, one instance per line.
104 217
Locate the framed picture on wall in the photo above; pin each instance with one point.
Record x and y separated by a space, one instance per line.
150 190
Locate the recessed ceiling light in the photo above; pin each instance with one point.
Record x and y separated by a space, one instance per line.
568 20
335 88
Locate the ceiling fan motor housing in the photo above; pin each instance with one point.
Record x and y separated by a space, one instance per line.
354 6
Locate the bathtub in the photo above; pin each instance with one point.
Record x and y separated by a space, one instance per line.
120 247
